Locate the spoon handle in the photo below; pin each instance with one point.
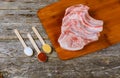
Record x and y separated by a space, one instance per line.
38 35
33 43
20 38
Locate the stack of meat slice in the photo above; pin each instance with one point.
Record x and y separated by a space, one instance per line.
79 28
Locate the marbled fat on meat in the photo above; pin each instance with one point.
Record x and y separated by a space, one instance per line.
79 28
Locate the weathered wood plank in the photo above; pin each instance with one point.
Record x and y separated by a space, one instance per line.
14 63
14 49
6 30
17 12
21 14
30 1
23 5
21 18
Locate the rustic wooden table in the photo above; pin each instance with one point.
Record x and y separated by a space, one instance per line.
21 14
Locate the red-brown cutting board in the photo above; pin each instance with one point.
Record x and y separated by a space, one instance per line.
106 10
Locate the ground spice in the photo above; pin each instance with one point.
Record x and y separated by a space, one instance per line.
42 57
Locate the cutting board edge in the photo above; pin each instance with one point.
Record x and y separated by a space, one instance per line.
62 58
38 15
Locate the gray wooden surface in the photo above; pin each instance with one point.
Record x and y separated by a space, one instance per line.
21 14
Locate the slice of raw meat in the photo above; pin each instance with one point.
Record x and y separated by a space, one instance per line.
79 28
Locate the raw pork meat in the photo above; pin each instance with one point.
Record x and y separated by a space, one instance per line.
79 28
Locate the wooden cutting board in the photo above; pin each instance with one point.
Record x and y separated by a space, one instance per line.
106 10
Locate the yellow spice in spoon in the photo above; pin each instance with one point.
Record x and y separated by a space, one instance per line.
46 48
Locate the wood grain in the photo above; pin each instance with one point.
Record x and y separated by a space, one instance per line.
108 11
21 14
